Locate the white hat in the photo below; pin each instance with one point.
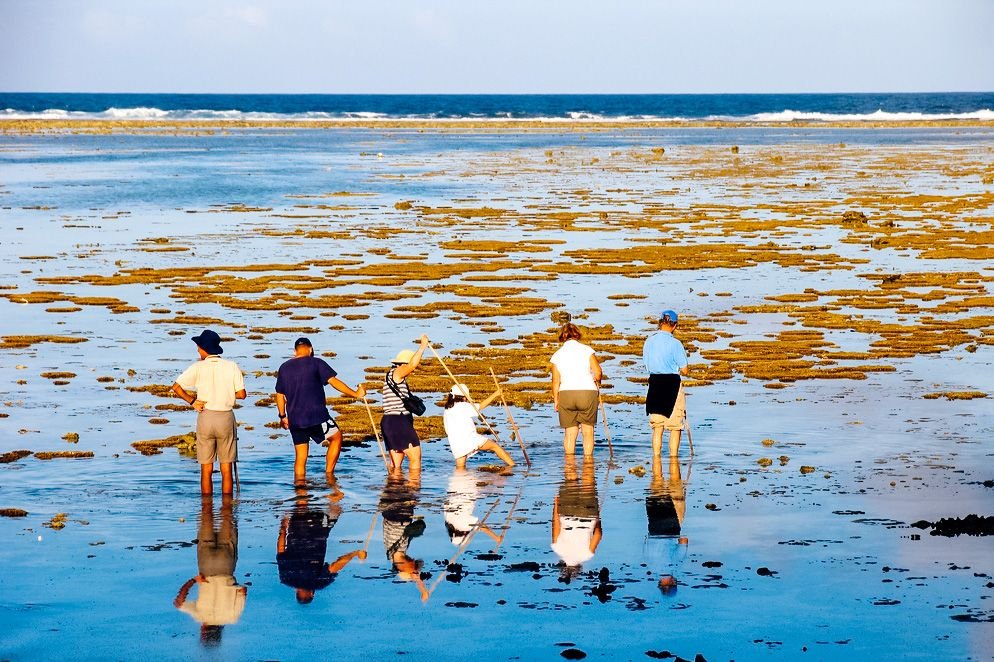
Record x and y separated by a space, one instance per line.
460 390
403 356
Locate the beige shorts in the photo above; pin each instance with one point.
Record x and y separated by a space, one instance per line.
675 420
217 437
577 408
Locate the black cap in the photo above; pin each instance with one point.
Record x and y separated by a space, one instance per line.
301 341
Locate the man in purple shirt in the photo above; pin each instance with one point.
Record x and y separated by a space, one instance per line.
303 411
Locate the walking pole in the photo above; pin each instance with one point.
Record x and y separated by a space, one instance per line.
379 443
469 537
607 432
686 425
238 483
468 396
514 426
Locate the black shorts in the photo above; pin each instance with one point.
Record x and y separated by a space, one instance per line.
317 433
398 432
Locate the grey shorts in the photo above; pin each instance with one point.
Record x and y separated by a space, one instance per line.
217 437
577 408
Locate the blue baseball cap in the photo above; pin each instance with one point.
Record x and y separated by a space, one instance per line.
668 316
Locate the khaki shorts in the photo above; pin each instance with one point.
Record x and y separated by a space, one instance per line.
675 420
217 437
577 408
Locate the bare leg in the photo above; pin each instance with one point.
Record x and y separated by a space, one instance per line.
396 459
657 440
494 447
461 462
227 482
569 440
300 462
674 442
588 439
206 484
413 454
334 450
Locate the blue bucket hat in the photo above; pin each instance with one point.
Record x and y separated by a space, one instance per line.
209 341
668 316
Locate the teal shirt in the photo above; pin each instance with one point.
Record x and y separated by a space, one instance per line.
663 354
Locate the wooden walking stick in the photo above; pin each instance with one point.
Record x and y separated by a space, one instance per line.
686 425
238 483
379 443
507 523
510 419
369 536
469 537
607 432
468 396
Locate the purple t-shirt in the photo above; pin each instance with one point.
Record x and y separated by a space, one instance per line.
302 381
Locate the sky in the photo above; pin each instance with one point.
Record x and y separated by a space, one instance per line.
496 46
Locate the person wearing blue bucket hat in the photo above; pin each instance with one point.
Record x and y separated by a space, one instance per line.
665 402
217 383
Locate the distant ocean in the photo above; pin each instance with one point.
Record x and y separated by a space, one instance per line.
550 107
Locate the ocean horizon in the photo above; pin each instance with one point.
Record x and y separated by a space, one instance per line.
828 107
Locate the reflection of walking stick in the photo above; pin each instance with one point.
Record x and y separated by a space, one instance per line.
468 396
469 537
607 433
507 523
379 443
238 483
510 419
686 425
369 536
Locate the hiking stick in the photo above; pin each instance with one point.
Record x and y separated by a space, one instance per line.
686 425
607 432
238 483
468 397
514 426
379 443
469 537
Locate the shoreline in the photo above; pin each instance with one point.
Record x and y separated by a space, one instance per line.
31 126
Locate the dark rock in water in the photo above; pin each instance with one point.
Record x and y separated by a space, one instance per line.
712 564
971 525
659 655
765 572
974 618
489 557
699 658
603 592
566 644
988 483
922 524
573 654
854 217
502 602
462 605
456 573
603 575
524 566
13 512
711 506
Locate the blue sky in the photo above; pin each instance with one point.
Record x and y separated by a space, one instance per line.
515 46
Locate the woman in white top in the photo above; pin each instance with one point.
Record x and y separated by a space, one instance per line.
576 378
460 427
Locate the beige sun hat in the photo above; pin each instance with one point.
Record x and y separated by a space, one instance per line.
403 356
460 390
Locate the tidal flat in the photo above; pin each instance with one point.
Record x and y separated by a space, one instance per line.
835 291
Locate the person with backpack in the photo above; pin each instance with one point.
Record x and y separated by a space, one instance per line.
397 423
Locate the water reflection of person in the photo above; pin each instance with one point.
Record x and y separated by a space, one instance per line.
665 508
460 507
220 599
397 503
303 543
576 518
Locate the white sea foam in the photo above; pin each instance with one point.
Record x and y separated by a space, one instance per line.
151 113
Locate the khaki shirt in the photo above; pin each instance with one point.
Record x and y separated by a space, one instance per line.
215 381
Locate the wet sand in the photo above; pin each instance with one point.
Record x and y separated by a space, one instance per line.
835 291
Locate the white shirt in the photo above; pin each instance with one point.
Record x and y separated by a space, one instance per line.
460 504
220 601
215 381
460 428
573 362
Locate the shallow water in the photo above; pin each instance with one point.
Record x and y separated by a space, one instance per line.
849 577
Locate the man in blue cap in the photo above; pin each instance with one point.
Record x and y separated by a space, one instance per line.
217 384
665 403
300 403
